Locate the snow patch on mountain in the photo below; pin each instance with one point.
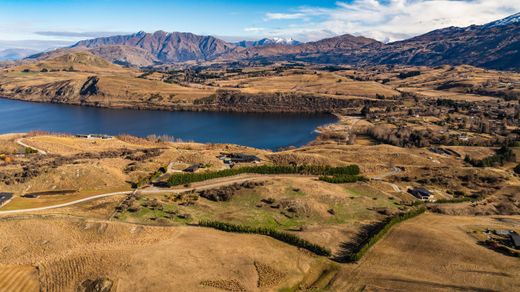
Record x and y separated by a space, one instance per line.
513 19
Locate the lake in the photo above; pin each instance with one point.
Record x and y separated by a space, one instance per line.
260 130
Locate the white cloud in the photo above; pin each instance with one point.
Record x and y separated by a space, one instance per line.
279 16
391 20
254 29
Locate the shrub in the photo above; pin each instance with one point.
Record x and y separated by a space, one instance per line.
186 178
279 235
455 200
29 150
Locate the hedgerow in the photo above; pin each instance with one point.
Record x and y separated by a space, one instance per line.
377 234
341 179
279 235
187 178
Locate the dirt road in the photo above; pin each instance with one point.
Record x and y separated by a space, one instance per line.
21 143
200 186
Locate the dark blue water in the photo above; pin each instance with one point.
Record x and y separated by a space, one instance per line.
267 131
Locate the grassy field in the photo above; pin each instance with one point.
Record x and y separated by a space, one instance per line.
141 258
323 83
19 278
440 247
309 208
50 200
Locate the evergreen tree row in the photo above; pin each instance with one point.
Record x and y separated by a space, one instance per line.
279 235
187 178
379 233
343 178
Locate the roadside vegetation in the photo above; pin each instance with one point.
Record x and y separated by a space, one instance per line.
344 178
187 178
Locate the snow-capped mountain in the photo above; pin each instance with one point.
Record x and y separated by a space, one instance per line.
268 42
513 19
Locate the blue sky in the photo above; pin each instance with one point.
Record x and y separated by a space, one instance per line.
44 23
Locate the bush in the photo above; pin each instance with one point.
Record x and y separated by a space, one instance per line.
279 235
455 200
29 150
186 178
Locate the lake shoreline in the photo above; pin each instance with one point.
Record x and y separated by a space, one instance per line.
264 130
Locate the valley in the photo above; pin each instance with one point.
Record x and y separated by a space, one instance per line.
172 161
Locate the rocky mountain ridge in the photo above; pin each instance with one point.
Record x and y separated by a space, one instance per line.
495 45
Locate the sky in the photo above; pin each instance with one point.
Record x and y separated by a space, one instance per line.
44 24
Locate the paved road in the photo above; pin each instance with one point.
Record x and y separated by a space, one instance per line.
203 185
20 142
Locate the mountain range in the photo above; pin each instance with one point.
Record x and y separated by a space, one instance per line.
495 45
268 42
15 54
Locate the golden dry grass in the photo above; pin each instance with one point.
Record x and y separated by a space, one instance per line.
69 145
69 251
433 252
322 83
19 278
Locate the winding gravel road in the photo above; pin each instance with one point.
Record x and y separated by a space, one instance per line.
21 143
204 185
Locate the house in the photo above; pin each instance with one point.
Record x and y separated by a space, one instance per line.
515 239
421 194
230 158
502 232
94 136
193 168
5 198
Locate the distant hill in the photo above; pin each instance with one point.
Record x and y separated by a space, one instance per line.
494 45
166 47
320 51
15 54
